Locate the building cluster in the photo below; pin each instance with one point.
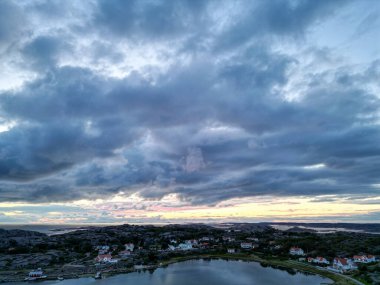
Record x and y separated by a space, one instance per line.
343 264
347 264
144 245
106 253
339 264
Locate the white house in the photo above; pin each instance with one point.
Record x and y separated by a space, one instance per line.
294 250
102 249
364 258
344 264
185 246
129 246
38 273
192 242
318 259
104 258
205 239
231 250
171 247
246 245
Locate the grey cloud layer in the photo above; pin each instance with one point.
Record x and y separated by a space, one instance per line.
213 125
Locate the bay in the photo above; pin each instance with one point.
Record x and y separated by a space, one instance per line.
209 272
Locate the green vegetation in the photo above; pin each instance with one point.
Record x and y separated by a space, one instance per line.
271 248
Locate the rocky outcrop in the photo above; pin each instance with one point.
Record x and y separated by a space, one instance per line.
11 238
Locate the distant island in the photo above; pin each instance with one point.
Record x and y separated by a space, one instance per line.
329 227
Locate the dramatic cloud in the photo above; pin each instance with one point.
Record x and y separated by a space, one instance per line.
205 100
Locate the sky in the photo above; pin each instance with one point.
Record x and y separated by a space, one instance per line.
156 111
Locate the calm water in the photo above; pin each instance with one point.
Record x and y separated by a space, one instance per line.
195 272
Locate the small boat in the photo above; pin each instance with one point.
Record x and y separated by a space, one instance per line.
60 278
98 275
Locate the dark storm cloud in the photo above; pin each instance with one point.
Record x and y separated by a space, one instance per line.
210 126
263 19
60 94
11 22
153 19
42 52
31 151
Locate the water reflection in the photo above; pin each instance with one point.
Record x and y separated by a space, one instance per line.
210 272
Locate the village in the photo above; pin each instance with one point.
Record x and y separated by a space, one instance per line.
108 255
339 264
121 249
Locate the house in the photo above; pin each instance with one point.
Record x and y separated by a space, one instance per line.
204 245
205 239
364 258
184 246
102 249
253 239
38 273
294 250
155 247
318 259
192 242
231 250
129 246
343 264
125 254
171 247
321 260
371 258
103 258
246 245
228 239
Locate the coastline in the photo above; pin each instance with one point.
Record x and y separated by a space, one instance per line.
338 279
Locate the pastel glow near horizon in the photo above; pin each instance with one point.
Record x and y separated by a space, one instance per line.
238 210
183 111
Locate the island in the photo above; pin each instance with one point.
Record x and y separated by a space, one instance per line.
342 256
